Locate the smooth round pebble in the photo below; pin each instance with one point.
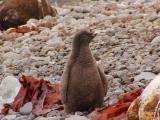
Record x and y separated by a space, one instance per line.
26 109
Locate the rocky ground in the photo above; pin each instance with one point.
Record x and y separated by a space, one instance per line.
128 43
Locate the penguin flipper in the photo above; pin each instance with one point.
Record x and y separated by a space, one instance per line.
103 79
65 80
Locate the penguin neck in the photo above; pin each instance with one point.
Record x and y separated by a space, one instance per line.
82 53
80 48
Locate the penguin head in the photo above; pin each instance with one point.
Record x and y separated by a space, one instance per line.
84 36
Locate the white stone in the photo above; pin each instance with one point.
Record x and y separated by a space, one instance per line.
49 118
63 12
47 59
55 42
82 9
77 117
9 57
156 40
8 89
144 76
32 22
26 109
6 49
154 86
9 117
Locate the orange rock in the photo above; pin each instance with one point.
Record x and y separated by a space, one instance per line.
146 106
18 12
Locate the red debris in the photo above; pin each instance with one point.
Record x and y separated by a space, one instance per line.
130 96
23 29
6 108
43 95
118 110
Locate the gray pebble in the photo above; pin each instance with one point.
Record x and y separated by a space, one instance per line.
22 118
26 109
9 117
144 76
54 113
50 118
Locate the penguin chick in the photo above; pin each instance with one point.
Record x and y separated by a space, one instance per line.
83 83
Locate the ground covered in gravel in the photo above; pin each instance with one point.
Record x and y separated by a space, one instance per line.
128 44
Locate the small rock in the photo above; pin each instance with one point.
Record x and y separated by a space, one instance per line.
78 16
121 35
32 22
22 118
26 109
9 117
79 113
56 42
6 49
11 56
31 116
76 117
144 76
9 89
40 118
101 17
54 113
1 116
79 9
50 118
156 40
110 32
119 91
63 12
111 6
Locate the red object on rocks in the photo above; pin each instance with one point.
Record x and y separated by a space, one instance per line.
23 29
118 110
44 96
5 109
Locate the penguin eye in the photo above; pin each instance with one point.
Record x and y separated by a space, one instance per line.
84 36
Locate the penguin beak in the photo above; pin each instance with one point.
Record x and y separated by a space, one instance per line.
94 35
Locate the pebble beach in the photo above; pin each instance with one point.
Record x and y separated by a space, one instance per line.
127 45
